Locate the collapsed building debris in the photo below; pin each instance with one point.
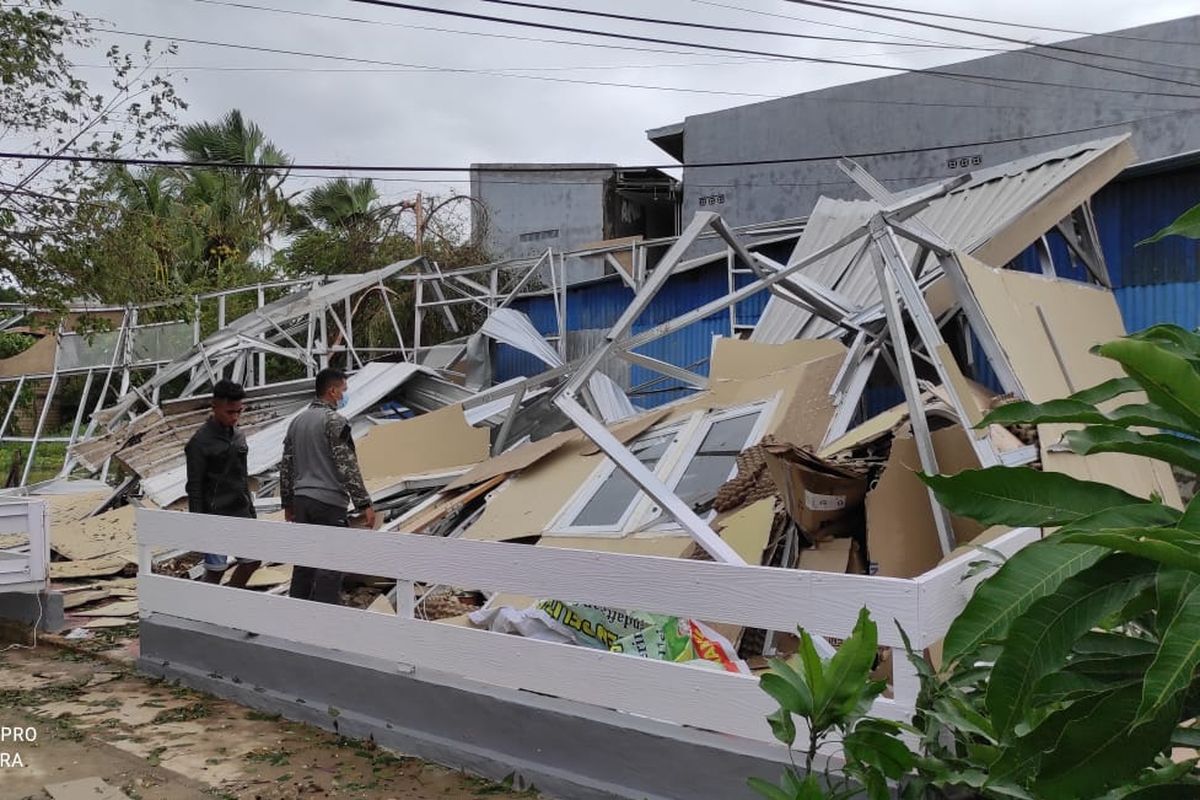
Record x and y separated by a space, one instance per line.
775 458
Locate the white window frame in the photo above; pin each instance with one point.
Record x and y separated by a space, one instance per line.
561 526
670 469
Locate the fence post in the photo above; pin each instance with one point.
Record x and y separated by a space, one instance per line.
405 602
39 541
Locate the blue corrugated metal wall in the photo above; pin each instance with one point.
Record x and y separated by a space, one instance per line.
598 306
1153 283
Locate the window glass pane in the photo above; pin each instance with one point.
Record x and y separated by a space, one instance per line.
729 435
715 460
618 492
609 503
703 478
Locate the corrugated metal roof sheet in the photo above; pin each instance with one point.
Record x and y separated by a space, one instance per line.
967 217
516 330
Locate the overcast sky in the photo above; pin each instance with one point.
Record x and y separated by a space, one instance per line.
523 94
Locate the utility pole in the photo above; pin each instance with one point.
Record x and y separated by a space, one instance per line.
419 211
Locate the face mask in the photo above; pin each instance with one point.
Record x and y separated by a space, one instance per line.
343 400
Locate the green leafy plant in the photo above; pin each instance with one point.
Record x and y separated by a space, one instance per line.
1071 673
1187 225
820 701
1093 633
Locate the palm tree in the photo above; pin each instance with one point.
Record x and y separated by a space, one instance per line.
342 203
241 208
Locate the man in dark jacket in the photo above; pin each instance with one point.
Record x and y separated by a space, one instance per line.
319 478
217 475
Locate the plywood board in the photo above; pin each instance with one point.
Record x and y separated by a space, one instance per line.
106 534
665 546
438 441
630 429
76 599
38 359
737 359
1047 328
122 608
88 568
264 577
901 533
966 391
514 460
748 530
380 605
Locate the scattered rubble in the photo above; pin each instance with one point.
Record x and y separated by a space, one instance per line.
783 454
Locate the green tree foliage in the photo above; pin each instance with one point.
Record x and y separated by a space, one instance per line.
167 233
46 108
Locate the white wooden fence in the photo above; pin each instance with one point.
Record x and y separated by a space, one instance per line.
26 566
759 597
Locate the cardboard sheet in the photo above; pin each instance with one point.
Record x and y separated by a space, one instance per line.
820 496
748 530
831 556
1046 328
433 442
901 534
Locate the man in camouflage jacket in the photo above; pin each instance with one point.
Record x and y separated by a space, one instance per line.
319 479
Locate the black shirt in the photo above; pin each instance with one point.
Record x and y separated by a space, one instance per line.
218 480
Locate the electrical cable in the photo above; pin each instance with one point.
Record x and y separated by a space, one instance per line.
1037 48
434 29
677 23
810 21
946 73
450 70
986 21
537 168
698 25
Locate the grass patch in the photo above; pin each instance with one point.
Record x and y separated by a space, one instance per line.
276 758
191 711
262 716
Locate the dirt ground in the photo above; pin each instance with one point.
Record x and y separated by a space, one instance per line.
155 741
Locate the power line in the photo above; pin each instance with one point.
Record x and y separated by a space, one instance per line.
526 169
1039 49
705 26
1027 26
695 25
746 51
809 21
485 34
448 70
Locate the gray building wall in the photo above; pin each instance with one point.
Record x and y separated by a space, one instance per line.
530 211
932 113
